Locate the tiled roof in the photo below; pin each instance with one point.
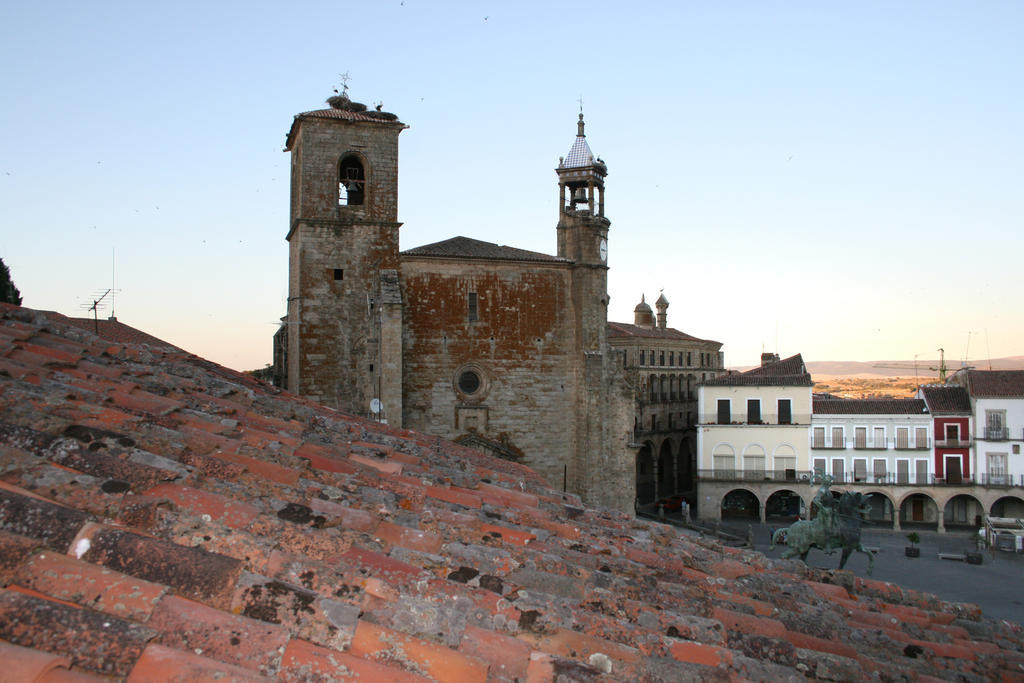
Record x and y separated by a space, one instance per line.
162 517
579 154
869 406
788 372
946 399
996 383
625 330
351 113
116 331
466 247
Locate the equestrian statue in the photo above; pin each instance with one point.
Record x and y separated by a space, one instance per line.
836 525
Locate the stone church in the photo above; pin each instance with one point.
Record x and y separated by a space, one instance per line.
502 349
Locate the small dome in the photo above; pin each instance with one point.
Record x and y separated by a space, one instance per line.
643 316
662 301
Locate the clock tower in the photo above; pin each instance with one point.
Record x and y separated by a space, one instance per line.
583 236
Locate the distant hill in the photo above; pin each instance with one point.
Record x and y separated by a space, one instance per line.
901 368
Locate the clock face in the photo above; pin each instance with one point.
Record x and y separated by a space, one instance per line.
603 249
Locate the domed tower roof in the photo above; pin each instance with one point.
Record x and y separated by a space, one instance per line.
643 316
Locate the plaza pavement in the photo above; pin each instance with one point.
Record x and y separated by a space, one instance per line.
996 586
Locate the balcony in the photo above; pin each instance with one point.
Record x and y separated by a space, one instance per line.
916 446
871 445
954 443
764 419
997 433
805 477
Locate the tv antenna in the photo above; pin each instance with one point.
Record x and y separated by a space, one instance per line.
95 307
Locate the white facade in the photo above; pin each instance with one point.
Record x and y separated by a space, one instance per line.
863 446
755 423
998 434
997 407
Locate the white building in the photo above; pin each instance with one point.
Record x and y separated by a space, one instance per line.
753 426
997 406
877 441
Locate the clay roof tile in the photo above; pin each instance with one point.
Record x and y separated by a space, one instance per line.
328 545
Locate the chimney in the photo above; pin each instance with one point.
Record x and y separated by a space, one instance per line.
768 358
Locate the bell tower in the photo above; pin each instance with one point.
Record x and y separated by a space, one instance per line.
583 235
344 299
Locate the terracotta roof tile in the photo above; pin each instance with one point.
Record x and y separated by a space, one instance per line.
946 399
193 572
417 655
789 372
26 664
94 641
333 546
466 247
308 662
995 383
234 639
159 662
869 406
89 585
625 330
229 512
29 515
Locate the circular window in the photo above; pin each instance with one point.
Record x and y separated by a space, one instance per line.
469 382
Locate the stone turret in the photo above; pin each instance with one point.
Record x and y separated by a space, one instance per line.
662 306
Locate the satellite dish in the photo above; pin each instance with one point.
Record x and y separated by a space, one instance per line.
375 406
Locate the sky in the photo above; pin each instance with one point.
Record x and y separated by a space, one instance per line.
841 180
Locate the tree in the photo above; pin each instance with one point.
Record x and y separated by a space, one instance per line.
9 294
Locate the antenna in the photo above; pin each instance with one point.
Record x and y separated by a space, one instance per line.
94 307
988 351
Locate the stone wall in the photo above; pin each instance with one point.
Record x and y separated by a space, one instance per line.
522 344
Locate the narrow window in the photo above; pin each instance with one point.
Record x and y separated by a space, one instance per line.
641 356
473 313
903 438
838 440
661 360
785 411
339 274
819 438
879 438
689 359
724 413
860 469
671 358
952 434
754 411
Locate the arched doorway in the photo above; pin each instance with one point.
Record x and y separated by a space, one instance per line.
784 506
741 504
881 510
666 470
1008 506
919 511
645 475
962 511
684 466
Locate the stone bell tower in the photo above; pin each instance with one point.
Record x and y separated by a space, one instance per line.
344 317
583 236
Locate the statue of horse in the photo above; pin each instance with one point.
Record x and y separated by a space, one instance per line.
837 525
